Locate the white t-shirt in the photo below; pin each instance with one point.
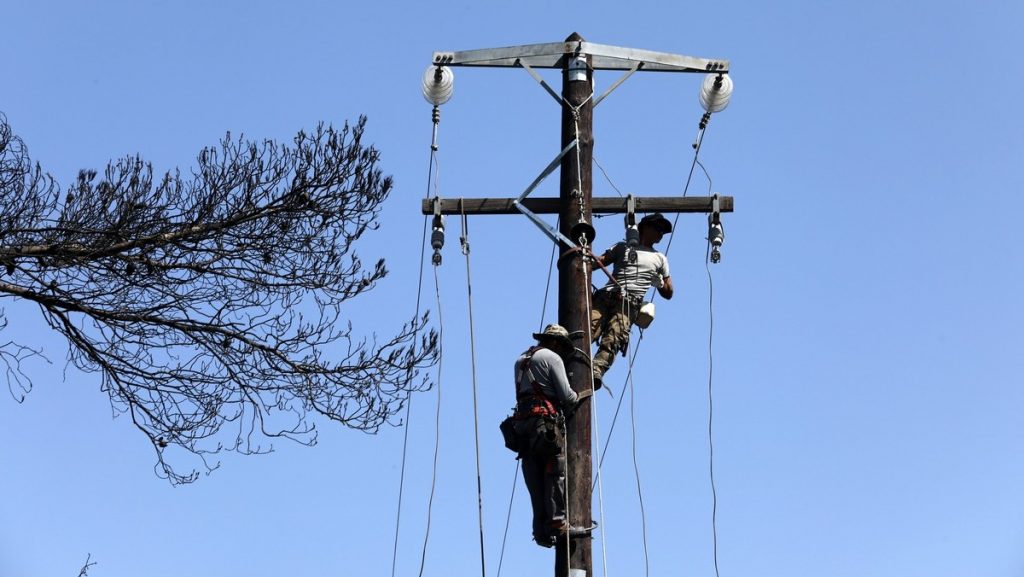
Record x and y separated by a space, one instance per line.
639 276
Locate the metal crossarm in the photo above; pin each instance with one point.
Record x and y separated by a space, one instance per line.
599 205
602 57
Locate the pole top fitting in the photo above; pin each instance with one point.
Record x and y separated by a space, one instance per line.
583 230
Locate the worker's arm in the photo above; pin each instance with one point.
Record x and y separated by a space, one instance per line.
666 288
609 256
560 381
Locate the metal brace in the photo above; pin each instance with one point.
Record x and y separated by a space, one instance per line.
547 229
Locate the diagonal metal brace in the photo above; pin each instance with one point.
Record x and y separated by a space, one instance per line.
636 66
550 168
551 91
544 227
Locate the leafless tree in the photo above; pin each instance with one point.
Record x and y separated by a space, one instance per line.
210 305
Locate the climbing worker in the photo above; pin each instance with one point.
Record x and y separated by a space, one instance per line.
543 400
615 306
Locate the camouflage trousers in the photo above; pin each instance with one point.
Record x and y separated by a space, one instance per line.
611 319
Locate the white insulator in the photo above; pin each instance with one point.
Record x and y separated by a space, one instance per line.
438 84
715 98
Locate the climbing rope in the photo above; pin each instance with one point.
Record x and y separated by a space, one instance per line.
464 241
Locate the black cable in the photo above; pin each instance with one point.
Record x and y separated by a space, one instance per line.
508 517
636 471
437 423
711 408
431 167
408 410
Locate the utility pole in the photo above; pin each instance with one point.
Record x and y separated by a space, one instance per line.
573 294
575 206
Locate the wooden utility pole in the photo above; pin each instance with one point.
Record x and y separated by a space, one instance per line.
578 60
573 294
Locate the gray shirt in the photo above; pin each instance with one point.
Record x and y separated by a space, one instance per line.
636 277
548 371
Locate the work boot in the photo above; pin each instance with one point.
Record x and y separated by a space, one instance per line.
546 541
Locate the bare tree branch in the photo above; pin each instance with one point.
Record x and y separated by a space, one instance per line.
211 305
84 571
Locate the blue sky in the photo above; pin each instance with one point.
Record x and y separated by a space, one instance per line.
867 315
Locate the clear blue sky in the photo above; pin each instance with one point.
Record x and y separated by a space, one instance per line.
867 311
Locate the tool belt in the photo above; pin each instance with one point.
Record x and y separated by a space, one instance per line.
534 435
615 294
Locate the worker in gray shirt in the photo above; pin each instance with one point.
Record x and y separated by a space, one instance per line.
543 398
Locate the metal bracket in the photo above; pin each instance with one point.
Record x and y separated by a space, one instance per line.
550 168
543 226
551 91
636 66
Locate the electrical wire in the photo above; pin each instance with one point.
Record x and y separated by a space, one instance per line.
636 472
711 408
432 179
464 241
437 423
696 146
508 517
606 177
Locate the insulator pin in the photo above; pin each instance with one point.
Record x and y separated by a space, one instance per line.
437 239
715 92
438 84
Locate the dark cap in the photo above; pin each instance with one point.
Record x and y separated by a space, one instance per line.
658 221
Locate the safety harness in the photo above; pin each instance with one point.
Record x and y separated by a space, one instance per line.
535 403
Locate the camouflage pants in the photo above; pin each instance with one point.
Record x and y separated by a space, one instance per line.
611 319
